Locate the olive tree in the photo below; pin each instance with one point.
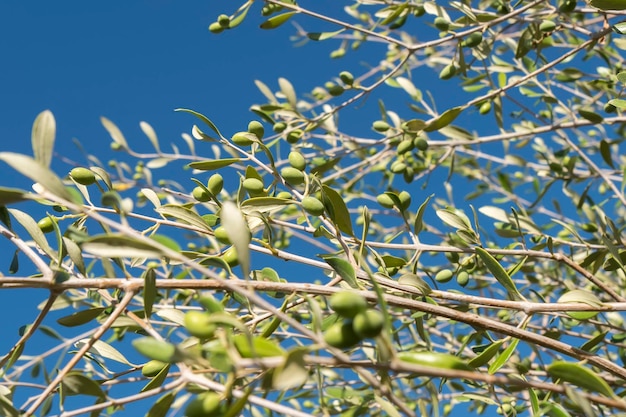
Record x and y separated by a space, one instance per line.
462 250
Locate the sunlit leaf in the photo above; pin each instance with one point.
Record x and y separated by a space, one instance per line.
184 214
32 169
444 119
499 273
236 227
120 246
579 376
320 36
43 135
275 21
115 132
105 350
343 268
210 165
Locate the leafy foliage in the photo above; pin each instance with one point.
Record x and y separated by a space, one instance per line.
473 234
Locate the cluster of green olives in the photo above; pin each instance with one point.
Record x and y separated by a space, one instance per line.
358 320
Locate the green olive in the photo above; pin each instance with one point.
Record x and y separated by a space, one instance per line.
405 146
285 195
421 144
223 20
462 278
368 323
380 126
405 200
152 368
221 235
230 257
46 225
253 186
256 128
398 167
385 201
341 335
547 26
334 89
243 138
200 194
473 40
83 176
447 72
292 175
313 206
445 275
279 127
199 324
215 27
294 136
485 107
346 77
215 184
347 303
441 23
296 160
208 404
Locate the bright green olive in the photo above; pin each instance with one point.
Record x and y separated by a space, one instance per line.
215 184
313 206
230 257
46 225
152 368
200 194
444 275
346 77
368 323
294 136
380 126
221 235
279 127
405 200
243 138
292 175
334 89
462 278
215 27
485 107
341 335
447 72
83 176
199 324
256 128
398 167
421 144
441 23
296 160
385 201
473 40
254 186
347 303
547 26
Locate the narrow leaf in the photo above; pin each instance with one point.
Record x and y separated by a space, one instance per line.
343 268
162 406
114 131
320 36
605 151
486 355
32 169
579 376
149 291
213 164
185 215
237 230
504 357
444 119
34 231
105 350
339 213
43 134
119 246
13 195
275 21
80 317
499 273
76 383
204 119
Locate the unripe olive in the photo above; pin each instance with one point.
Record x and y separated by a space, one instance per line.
441 23
279 127
292 176
335 90
286 195
338 53
609 108
347 303
221 235
385 201
199 324
230 257
462 278
421 143
444 275
253 185
368 323
83 176
243 138
313 206
46 225
215 27
215 184
381 126
547 26
200 194
397 167
210 219
405 200
294 136
473 40
296 160
152 368
341 335
346 77
485 107
208 404
115 146
405 146
447 72
223 20
256 128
